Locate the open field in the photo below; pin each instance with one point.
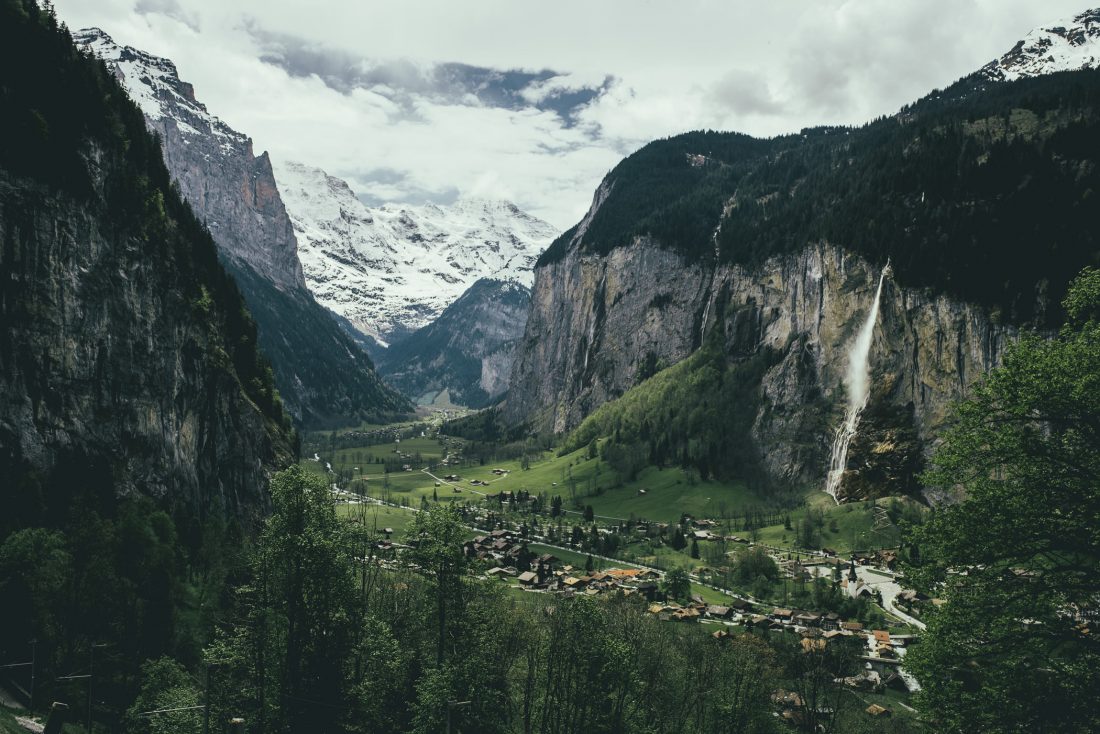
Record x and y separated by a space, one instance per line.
369 458
580 481
669 494
379 516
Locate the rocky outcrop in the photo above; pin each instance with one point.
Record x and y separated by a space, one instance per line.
596 320
468 351
1068 45
593 320
231 189
110 375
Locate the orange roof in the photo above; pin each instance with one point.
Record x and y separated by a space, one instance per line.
882 636
624 572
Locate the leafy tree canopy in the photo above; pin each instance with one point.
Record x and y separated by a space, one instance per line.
1014 648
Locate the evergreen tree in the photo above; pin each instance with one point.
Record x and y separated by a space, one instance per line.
1008 650
677 585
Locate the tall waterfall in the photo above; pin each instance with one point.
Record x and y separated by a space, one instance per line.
857 380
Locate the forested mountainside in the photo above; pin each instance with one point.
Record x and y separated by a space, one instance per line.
467 351
334 381
129 361
325 378
139 422
979 197
964 192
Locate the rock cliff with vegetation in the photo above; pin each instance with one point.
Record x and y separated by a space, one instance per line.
978 196
468 350
129 365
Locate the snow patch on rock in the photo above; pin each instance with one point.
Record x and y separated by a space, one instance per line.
1067 45
392 269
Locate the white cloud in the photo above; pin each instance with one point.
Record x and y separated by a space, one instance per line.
762 68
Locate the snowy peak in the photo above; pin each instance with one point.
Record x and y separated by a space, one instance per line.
392 269
153 83
1065 46
231 189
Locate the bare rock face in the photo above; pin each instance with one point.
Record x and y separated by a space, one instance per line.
467 351
110 376
230 188
595 320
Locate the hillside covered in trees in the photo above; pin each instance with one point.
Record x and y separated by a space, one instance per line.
983 191
139 422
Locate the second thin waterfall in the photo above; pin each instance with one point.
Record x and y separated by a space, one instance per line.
857 380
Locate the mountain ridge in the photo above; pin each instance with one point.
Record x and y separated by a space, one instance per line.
325 378
182 122
393 269
467 350
1069 45
978 195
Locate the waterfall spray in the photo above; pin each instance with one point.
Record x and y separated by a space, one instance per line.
857 380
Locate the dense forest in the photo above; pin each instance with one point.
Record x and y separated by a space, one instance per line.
320 642
966 192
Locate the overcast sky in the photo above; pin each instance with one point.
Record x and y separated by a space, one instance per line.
416 100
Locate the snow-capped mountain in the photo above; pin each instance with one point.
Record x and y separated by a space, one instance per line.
390 270
1064 46
231 188
322 375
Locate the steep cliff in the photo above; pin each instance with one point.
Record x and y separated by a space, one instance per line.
128 363
467 351
607 320
231 189
979 196
322 374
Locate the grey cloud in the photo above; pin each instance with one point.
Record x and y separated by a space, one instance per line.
402 81
823 84
415 197
746 93
362 181
170 9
